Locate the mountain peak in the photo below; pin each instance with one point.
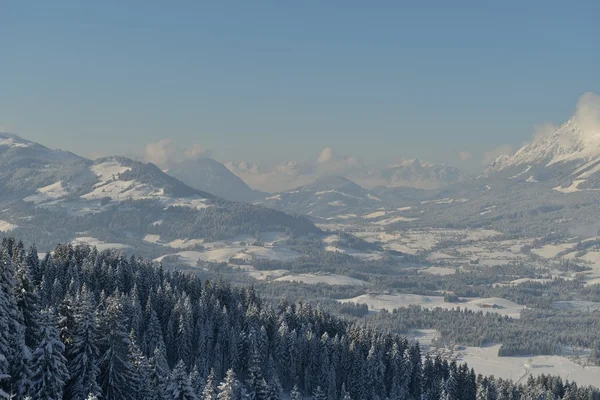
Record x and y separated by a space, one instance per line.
570 142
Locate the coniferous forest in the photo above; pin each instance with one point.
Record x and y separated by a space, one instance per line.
83 324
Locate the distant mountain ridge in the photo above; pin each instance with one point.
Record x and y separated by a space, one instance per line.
331 195
51 195
211 176
411 173
569 159
288 175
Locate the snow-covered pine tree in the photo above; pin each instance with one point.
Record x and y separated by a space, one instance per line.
29 305
20 370
210 388
14 356
295 393
319 394
48 362
344 395
116 370
179 386
229 389
84 353
197 381
159 372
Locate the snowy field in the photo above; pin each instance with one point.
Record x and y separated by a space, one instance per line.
442 271
329 279
99 244
47 193
224 254
486 361
389 302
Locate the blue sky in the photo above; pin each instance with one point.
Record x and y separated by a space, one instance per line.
276 80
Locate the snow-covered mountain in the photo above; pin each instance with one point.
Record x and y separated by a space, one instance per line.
211 176
568 159
326 196
289 175
410 173
50 195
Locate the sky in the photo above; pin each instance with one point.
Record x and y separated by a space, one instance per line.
268 81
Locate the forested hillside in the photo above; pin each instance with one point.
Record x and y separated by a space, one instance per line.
80 324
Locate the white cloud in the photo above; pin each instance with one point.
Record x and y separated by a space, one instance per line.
542 131
161 152
165 152
492 155
587 114
465 155
325 156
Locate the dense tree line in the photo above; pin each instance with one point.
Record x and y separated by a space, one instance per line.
537 332
80 324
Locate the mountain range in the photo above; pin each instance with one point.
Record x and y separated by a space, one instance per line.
289 175
48 195
568 159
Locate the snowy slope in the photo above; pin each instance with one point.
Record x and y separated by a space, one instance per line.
570 143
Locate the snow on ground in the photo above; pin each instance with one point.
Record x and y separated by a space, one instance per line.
522 280
276 197
342 216
354 253
330 279
337 203
404 208
394 220
373 197
154 239
265 275
486 361
6 226
552 250
571 189
579 305
224 254
99 244
443 271
47 193
108 170
376 214
389 302
446 200
531 179
185 243
11 142
526 170
439 256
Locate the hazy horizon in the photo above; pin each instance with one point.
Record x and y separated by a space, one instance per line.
270 83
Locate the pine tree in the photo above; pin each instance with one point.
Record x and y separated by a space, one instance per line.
84 353
29 306
344 395
295 393
159 372
210 388
319 394
49 368
116 370
20 370
197 382
179 387
11 328
229 389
